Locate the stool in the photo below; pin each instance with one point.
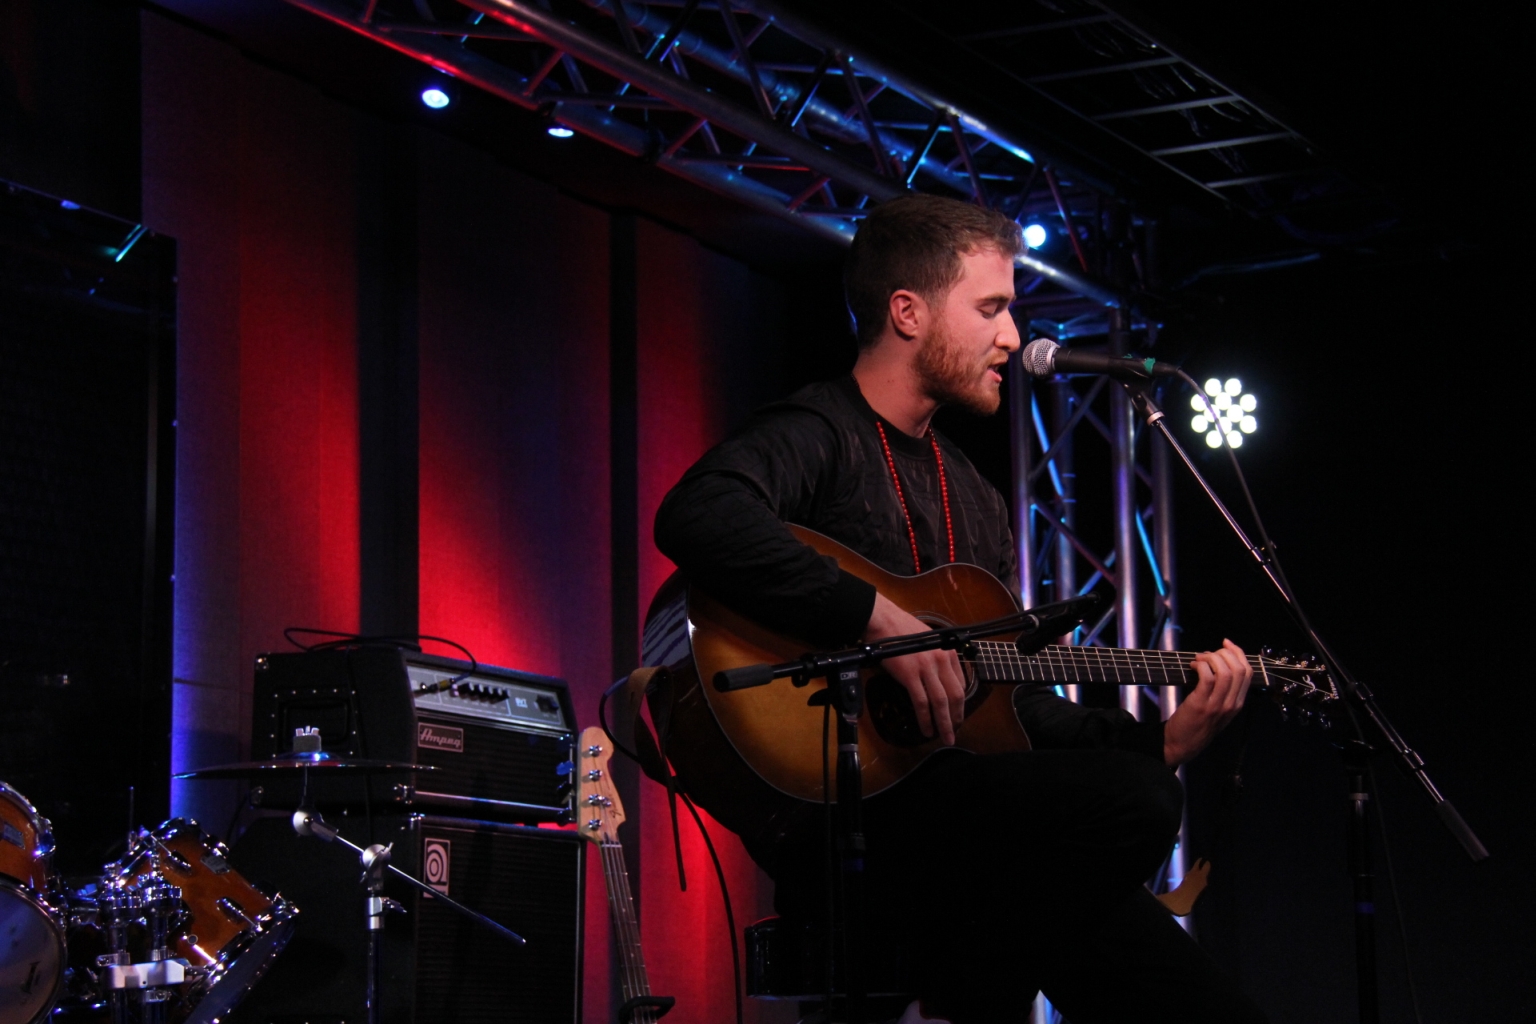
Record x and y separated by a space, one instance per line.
787 959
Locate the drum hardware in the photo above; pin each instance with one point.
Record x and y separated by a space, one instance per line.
170 950
33 953
301 764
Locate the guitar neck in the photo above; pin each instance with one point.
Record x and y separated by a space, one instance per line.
998 661
626 929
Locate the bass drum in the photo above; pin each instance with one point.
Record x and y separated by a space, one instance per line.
32 954
232 931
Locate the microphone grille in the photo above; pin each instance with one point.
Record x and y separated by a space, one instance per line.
1039 357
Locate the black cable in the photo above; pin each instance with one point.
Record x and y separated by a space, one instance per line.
725 894
408 641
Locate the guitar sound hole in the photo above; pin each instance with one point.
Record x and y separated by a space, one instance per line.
890 709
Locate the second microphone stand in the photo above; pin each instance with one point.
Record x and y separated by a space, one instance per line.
1356 751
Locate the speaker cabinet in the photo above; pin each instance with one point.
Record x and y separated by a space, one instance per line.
437 966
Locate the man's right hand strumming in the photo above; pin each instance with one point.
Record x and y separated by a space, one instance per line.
933 679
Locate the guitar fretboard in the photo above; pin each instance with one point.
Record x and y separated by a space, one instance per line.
626 926
998 661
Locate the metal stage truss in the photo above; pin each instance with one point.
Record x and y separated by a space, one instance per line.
1086 58
754 103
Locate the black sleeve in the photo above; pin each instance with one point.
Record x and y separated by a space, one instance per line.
723 526
1055 723
1008 558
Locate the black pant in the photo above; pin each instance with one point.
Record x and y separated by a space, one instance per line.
1013 873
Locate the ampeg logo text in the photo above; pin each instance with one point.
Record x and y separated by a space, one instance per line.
435 862
440 737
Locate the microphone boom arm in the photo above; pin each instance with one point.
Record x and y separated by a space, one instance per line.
1362 696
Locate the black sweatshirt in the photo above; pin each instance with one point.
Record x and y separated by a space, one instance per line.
815 459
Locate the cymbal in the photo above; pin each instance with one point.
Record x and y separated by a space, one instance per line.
319 762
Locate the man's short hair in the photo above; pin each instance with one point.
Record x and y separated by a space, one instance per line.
915 243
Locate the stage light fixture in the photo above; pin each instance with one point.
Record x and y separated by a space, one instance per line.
559 131
435 97
1229 415
1034 235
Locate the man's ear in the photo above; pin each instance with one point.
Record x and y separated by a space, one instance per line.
908 312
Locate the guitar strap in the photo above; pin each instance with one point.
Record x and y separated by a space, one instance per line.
653 686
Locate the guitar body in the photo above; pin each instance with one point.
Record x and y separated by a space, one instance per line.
753 758
744 753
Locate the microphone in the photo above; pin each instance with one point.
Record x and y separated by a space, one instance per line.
1043 357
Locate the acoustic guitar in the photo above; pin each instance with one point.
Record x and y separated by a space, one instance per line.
742 754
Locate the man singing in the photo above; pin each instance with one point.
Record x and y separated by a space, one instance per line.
1007 873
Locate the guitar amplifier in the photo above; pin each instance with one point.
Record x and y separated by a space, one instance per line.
436 965
496 739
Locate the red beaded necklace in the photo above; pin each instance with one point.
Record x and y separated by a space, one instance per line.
949 526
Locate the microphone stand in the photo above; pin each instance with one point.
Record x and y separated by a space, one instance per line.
845 693
1356 751
375 861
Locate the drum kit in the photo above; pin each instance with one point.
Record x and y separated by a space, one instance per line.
169 933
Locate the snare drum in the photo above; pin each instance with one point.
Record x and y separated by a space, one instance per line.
232 931
31 932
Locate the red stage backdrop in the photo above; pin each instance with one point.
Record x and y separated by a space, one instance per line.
252 173
514 532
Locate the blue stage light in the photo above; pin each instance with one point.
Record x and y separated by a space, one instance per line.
560 131
435 97
1034 235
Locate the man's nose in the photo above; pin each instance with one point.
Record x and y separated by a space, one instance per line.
1008 337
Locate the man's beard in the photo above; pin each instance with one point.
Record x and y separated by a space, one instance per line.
949 379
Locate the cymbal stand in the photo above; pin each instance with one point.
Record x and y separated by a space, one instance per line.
376 865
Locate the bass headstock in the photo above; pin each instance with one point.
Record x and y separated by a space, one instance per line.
598 810
1301 686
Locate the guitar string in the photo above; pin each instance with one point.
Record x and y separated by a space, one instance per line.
1070 664
635 981
629 927
620 925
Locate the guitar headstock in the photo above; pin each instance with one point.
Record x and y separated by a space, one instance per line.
598 810
1299 685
